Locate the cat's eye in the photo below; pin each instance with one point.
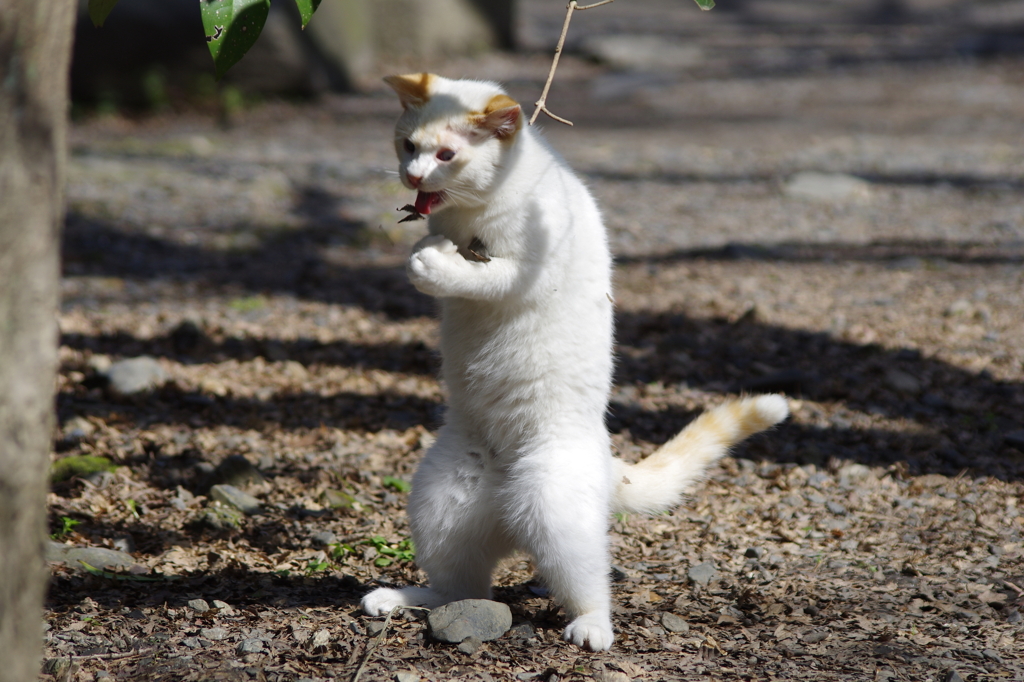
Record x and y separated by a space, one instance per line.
445 155
409 146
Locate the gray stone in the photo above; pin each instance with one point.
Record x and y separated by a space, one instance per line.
826 187
470 645
78 428
323 538
674 623
835 508
96 557
249 646
220 517
223 607
953 676
135 375
480 618
215 634
198 605
901 382
522 631
819 480
702 574
754 552
233 497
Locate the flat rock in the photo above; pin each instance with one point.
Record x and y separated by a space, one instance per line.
198 605
323 538
702 574
135 375
221 517
480 618
249 646
97 557
77 428
674 623
214 634
826 187
233 497
470 645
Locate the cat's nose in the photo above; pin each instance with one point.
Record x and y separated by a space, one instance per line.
415 180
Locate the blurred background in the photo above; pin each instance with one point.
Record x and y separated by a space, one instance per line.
152 51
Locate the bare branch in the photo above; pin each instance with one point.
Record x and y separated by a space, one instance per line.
541 103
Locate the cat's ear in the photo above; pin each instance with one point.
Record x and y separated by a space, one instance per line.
413 89
502 118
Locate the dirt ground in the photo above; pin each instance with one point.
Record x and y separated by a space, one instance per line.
875 536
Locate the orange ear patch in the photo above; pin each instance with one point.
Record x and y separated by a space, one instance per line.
413 89
499 102
502 116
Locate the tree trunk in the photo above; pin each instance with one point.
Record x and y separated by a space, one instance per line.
35 44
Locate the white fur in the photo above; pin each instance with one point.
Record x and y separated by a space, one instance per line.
523 461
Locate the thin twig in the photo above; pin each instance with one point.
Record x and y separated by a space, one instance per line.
114 655
541 103
380 638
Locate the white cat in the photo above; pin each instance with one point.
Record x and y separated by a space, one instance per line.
517 256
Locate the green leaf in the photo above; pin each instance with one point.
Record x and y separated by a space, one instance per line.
99 9
396 484
705 4
306 9
232 26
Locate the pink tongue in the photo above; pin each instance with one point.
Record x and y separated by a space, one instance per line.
425 201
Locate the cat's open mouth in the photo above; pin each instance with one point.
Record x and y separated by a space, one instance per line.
425 201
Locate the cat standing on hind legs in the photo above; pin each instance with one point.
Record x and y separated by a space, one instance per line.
518 258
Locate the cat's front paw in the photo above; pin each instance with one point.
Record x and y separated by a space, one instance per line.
591 631
432 265
382 600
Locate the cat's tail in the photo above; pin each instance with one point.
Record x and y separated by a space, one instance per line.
658 482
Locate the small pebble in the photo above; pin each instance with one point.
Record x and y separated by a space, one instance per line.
323 538
674 623
198 605
835 508
754 552
702 574
233 497
470 645
215 634
135 375
249 646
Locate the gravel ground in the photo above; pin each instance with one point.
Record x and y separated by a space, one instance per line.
874 536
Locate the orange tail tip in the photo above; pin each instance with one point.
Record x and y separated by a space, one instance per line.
658 482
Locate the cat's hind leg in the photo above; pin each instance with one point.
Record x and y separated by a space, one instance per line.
456 528
558 500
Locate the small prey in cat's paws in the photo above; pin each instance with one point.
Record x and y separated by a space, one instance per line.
413 213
